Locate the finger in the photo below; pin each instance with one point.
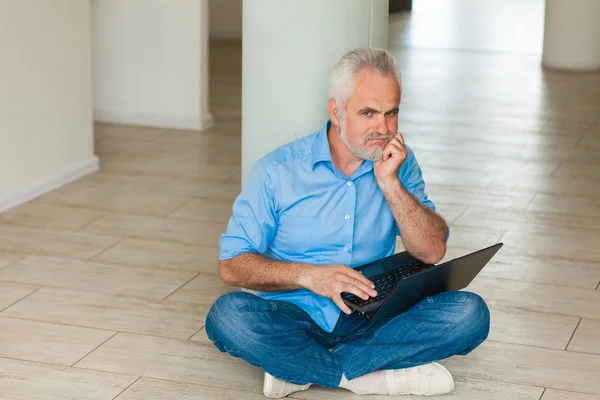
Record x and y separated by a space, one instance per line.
359 276
367 290
355 290
337 299
400 137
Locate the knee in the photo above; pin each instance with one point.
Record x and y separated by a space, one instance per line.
224 314
475 314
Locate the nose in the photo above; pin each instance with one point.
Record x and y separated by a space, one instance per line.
381 124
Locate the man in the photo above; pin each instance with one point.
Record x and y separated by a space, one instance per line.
309 212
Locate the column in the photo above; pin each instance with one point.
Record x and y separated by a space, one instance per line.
289 49
572 34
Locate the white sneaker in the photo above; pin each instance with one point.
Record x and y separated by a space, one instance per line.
425 380
275 388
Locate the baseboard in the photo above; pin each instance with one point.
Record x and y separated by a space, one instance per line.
154 120
50 183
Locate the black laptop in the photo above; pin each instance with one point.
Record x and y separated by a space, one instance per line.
401 281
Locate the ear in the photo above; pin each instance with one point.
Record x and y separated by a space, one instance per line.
333 112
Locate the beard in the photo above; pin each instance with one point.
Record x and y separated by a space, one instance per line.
363 152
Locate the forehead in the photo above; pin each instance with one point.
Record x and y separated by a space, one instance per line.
370 85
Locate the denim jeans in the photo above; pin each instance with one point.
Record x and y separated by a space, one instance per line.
284 341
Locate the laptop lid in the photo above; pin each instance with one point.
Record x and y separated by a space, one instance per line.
452 275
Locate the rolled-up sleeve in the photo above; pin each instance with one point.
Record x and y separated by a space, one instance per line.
253 222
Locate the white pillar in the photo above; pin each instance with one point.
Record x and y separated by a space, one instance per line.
289 49
151 63
572 34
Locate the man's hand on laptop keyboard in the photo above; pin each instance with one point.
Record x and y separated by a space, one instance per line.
331 280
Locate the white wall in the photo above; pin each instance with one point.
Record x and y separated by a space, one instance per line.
226 19
46 126
289 49
151 62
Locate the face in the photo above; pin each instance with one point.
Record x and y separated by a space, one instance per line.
370 119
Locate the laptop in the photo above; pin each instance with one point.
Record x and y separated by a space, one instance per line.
401 281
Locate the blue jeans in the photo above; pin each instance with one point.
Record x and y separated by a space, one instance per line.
284 341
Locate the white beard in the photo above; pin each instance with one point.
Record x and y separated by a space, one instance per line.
375 154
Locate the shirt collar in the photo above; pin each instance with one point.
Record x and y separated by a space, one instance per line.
320 150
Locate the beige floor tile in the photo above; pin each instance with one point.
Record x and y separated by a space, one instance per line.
204 289
450 212
577 170
582 206
472 196
116 200
174 360
169 166
11 292
152 389
485 163
186 231
214 210
148 282
201 189
160 253
573 244
480 217
473 238
464 389
97 310
47 343
138 183
536 297
575 186
27 380
526 365
551 394
7 258
202 338
50 216
589 141
543 269
587 337
530 328
72 244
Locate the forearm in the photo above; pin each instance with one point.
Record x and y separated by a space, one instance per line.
423 231
253 271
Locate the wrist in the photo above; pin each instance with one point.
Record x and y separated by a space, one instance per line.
390 185
304 278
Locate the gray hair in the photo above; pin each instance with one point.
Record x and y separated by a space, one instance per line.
354 61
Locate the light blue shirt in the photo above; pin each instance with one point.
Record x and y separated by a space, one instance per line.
296 206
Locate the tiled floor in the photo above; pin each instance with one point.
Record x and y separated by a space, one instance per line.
105 283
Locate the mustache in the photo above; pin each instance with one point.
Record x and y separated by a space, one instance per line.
377 135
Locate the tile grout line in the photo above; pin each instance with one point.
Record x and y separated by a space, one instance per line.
182 285
573 334
99 329
195 333
598 287
95 348
22 298
542 395
123 391
18 260
112 246
82 227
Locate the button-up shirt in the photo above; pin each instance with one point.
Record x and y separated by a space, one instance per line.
297 206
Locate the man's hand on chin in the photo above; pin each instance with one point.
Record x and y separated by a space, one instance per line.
386 169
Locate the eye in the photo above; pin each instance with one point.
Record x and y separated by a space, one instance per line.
366 113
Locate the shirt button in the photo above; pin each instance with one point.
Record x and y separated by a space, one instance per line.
346 248
347 216
349 183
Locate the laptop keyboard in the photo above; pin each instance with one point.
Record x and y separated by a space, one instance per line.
384 284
